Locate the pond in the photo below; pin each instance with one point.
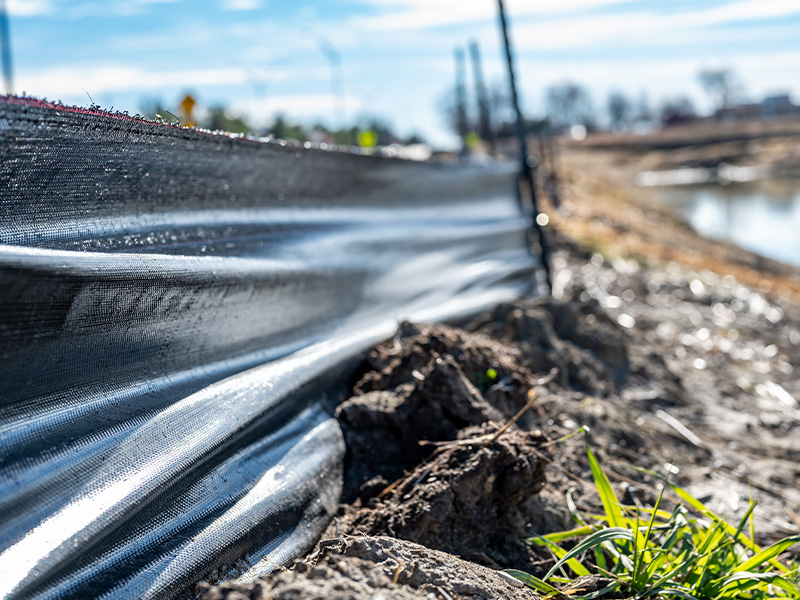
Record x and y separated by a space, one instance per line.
761 216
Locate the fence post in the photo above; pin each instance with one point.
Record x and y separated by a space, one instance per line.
527 169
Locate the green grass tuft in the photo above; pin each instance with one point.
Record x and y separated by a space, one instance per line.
688 553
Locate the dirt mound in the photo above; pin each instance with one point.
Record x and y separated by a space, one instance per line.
429 382
469 500
375 568
579 338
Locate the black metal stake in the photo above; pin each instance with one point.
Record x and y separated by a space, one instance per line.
526 174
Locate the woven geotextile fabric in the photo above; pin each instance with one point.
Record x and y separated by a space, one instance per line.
177 309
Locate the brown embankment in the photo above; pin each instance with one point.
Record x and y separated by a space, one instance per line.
606 210
771 143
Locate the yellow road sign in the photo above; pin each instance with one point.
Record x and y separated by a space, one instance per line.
187 105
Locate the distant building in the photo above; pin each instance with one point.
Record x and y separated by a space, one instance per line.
779 105
774 106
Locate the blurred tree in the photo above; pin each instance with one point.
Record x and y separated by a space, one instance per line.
345 137
497 110
569 104
620 110
500 113
643 116
281 129
508 129
383 130
677 110
218 119
450 109
414 138
500 108
154 108
720 86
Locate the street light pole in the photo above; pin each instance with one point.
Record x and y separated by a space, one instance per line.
484 118
337 78
462 123
5 45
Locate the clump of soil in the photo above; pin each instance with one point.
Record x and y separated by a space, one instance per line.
375 568
468 500
429 382
578 338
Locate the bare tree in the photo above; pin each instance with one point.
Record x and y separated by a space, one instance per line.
677 110
644 116
451 110
569 104
620 110
498 105
720 86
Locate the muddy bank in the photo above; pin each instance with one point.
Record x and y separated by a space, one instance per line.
664 363
603 211
771 144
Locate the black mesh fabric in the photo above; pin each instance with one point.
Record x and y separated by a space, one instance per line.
175 306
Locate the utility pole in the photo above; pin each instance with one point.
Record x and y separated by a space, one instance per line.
484 118
5 45
337 78
526 175
461 99
552 175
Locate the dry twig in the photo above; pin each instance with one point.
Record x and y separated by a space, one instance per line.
489 438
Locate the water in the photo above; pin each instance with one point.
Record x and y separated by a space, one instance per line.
761 216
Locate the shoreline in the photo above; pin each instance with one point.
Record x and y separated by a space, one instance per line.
604 210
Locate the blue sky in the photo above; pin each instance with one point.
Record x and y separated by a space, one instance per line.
261 57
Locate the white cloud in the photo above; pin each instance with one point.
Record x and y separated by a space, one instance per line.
148 2
746 11
127 8
417 14
68 81
645 28
59 82
178 39
554 29
296 107
241 4
73 9
30 8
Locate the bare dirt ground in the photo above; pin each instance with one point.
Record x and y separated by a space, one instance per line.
671 348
